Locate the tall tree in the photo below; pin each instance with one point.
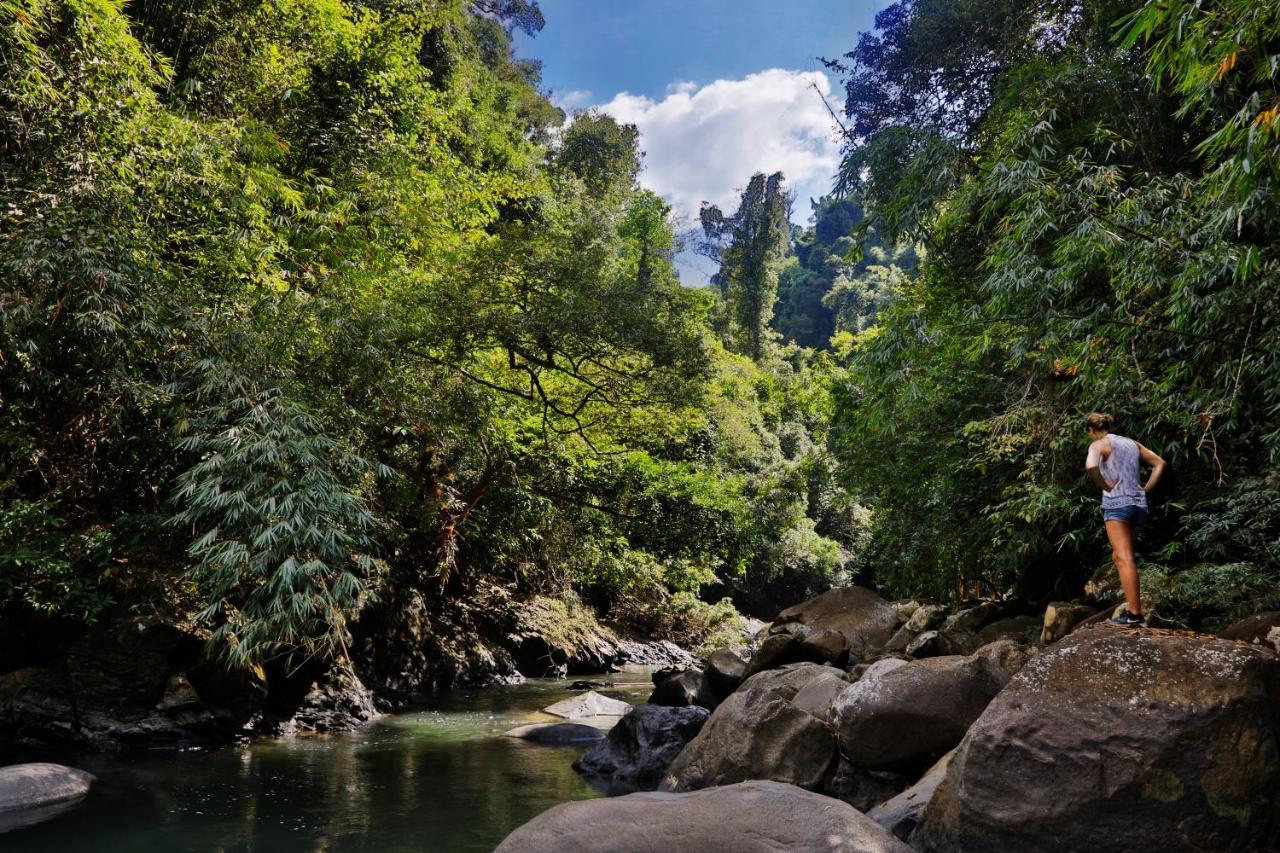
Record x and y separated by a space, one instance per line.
750 245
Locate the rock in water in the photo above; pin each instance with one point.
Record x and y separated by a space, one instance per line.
915 711
750 817
865 619
31 793
640 748
589 704
556 733
754 734
1120 740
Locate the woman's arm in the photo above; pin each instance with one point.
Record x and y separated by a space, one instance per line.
1157 466
1093 464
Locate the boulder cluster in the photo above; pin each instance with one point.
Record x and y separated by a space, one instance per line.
855 723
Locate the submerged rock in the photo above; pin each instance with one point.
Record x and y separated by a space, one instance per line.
640 748
750 817
754 734
556 733
589 704
1120 740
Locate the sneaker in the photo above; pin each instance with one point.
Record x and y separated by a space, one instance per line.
1127 619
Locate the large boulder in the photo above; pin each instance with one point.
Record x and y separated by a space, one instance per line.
31 793
725 669
901 814
1021 629
774 651
865 619
29 786
640 748
754 734
787 681
914 712
817 696
682 689
973 618
1253 629
1060 617
1120 740
750 817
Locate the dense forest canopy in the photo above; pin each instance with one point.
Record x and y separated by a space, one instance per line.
318 310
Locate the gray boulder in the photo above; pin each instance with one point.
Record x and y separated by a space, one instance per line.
1120 740
786 681
725 669
901 814
880 667
556 733
1060 617
750 817
774 651
1021 629
31 793
865 619
816 696
914 712
754 734
1252 629
29 786
682 689
1007 655
973 618
825 645
640 748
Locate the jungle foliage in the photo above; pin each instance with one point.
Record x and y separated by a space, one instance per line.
1095 187
309 303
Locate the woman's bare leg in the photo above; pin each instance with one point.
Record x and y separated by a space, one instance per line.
1122 552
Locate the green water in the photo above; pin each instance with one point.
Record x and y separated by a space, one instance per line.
441 779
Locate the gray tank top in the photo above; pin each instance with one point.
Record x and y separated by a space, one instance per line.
1122 465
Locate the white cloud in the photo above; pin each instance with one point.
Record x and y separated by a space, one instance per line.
571 100
705 142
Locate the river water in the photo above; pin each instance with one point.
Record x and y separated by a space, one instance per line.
439 779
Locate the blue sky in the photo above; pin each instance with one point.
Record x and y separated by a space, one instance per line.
719 89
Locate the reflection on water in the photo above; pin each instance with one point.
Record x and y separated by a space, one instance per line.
442 779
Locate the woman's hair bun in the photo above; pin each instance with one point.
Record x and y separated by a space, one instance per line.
1100 420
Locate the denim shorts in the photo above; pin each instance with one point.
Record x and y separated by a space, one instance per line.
1134 516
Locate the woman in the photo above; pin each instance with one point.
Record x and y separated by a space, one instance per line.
1113 462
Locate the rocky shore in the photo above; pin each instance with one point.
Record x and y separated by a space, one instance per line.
129 683
857 724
